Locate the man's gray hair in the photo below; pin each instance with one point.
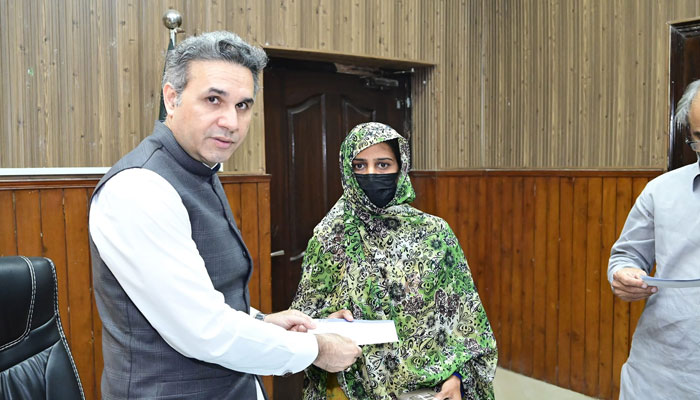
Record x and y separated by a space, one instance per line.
211 46
683 107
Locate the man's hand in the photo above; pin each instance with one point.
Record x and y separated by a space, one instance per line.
335 352
291 320
450 389
628 285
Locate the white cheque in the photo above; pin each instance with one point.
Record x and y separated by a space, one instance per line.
671 283
360 330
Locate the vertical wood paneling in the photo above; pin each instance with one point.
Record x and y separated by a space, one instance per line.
464 189
264 264
233 193
507 315
53 235
552 294
507 90
565 258
516 300
52 223
527 294
492 302
608 237
249 228
29 231
578 283
560 227
539 304
8 238
481 232
592 284
425 195
544 278
80 288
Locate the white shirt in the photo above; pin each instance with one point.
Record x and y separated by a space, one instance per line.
137 219
663 227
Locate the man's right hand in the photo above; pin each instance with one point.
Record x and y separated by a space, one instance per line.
335 352
628 285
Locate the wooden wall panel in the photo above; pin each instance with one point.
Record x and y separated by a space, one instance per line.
48 218
516 283
621 309
564 270
552 281
535 83
543 278
592 272
539 260
608 236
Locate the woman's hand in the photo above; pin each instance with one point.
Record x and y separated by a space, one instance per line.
344 314
450 389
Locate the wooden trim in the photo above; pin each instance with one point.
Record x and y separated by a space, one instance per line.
539 173
681 21
17 183
239 178
43 182
344 58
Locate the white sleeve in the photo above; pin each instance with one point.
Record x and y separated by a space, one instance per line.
142 231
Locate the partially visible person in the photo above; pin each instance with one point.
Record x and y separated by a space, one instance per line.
170 269
375 257
663 228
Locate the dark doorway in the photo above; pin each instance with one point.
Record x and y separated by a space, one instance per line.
309 108
685 58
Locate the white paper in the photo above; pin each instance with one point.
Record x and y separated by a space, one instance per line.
671 283
420 394
359 330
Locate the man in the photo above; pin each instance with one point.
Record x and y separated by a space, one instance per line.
663 227
170 268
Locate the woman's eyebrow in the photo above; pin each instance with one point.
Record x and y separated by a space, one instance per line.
378 159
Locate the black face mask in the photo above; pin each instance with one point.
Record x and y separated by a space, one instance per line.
380 188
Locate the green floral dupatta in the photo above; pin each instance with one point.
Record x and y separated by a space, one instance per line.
401 264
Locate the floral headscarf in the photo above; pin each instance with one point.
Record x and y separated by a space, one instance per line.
401 264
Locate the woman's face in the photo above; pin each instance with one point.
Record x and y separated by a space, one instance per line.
376 159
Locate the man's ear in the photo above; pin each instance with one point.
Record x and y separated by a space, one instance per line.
169 98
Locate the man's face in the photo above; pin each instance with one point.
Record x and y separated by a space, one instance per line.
694 118
214 112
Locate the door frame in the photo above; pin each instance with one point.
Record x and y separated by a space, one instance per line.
352 65
680 32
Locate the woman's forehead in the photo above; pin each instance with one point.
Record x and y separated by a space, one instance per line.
379 150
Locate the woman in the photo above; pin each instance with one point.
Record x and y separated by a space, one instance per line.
382 259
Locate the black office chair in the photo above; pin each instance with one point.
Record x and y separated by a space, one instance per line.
35 361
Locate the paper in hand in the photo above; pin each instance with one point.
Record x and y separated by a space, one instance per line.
361 331
671 283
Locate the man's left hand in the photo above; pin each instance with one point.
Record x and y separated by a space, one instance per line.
291 320
450 389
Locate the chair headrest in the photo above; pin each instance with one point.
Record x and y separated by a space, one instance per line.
27 297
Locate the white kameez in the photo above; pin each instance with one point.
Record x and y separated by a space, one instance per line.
663 227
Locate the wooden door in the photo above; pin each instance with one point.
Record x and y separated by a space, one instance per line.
309 108
685 58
